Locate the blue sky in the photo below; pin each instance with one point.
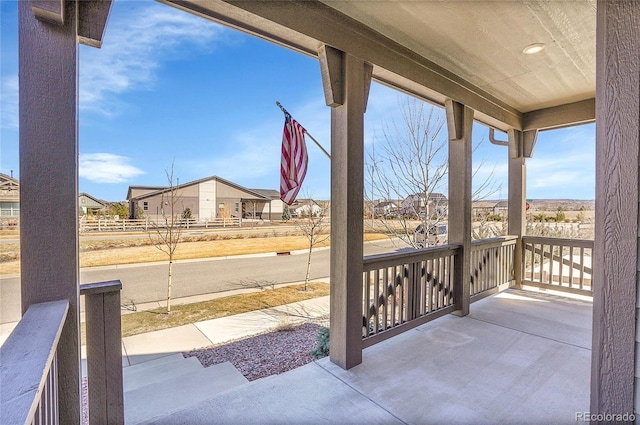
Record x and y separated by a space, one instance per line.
167 86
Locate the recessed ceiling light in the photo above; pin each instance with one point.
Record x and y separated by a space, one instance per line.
533 48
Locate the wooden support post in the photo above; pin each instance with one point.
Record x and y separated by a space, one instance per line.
517 199
346 80
104 352
460 124
49 179
615 352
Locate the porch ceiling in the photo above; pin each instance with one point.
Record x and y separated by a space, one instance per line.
469 51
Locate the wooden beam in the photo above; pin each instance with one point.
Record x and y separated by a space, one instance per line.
394 64
560 116
529 139
460 125
347 211
615 253
49 182
51 11
331 67
92 21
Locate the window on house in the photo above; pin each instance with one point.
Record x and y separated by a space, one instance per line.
221 206
9 208
145 206
237 207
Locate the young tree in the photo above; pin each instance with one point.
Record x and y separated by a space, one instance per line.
315 227
286 213
118 208
410 168
165 233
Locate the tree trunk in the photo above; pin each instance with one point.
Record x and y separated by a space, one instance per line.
169 286
306 279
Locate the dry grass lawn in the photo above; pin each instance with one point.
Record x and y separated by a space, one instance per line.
131 251
157 319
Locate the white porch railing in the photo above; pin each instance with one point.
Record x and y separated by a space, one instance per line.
559 264
402 291
146 224
28 370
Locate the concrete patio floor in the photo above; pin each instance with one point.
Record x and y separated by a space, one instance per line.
519 357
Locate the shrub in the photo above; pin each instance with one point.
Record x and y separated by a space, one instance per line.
322 350
540 217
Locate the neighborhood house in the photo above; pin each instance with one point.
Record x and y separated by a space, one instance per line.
205 199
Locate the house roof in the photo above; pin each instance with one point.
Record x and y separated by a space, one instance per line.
468 51
267 193
385 204
96 200
483 204
147 189
158 190
9 188
433 196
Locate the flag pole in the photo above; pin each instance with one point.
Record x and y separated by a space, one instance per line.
305 131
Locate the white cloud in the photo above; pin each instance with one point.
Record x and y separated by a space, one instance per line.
9 105
136 42
567 173
251 156
107 168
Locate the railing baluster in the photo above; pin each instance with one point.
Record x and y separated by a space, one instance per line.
571 266
451 263
552 260
377 300
582 270
561 274
391 296
366 307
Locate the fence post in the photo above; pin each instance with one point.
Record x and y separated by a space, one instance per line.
104 352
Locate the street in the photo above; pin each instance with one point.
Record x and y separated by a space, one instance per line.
148 282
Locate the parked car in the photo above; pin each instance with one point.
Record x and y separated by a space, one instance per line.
435 234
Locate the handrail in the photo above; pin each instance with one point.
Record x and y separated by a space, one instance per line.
29 364
372 262
577 243
493 242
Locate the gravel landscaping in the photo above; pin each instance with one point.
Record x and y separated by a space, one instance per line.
266 354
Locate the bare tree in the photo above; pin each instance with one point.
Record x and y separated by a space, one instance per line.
167 229
313 224
410 169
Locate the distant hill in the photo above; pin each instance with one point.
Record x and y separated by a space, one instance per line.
563 204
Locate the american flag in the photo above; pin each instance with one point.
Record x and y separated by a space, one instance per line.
293 165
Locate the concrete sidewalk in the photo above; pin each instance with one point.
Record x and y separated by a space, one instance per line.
144 347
